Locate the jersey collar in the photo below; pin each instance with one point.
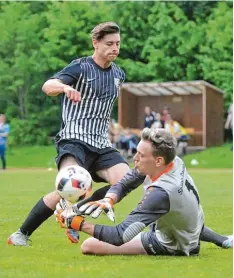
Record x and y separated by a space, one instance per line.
166 170
90 59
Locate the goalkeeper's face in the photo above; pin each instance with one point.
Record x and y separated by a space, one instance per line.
145 162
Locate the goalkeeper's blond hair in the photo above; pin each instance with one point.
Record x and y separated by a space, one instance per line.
163 142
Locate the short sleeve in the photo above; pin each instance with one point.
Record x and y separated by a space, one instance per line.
70 74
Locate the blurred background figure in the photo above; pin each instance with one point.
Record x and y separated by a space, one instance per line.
127 142
4 131
180 133
164 115
116 132
157 123
149 117
229 122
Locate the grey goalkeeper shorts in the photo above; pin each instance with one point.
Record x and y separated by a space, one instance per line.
153 246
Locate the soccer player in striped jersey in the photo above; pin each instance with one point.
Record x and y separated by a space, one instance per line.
88 87
170 206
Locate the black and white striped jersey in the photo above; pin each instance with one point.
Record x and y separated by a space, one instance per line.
89 119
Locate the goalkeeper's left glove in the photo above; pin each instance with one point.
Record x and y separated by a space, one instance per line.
70 218
97 207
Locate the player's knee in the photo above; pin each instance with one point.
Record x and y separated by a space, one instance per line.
115 173
67 160
88 246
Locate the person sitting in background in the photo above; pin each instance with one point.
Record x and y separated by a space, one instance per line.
179 132
127 142
4 131
117 132
157 123
149 117
164 114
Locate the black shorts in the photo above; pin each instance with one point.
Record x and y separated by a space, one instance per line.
89 157
154 247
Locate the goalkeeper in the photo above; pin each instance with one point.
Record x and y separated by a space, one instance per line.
170 207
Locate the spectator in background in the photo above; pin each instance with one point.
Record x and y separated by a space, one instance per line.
4 131
180 133
117 132
229 121
149 117
157 123
127 142
165 113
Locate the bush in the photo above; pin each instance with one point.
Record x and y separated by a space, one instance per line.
27 132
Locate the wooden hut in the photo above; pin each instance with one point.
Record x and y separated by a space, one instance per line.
197 105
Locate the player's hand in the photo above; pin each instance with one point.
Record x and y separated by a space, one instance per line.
60 207
97 207
72 94
70 218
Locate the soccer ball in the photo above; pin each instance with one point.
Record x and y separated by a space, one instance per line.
73 183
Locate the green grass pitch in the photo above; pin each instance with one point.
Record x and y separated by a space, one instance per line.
51 255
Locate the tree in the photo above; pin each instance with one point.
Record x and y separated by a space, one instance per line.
216 53
161 41
22 63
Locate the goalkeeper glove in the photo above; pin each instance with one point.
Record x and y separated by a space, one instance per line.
60 207
70 218
97 207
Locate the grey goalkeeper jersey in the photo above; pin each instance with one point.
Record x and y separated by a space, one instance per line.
171 201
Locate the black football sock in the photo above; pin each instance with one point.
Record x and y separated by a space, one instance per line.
210 236
36 217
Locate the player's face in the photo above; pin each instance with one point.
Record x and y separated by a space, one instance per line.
108 47
144 160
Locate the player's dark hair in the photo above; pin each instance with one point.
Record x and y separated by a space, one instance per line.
164 143
103 29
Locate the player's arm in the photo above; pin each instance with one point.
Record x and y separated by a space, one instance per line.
115 194
154 204
63 81
54 87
